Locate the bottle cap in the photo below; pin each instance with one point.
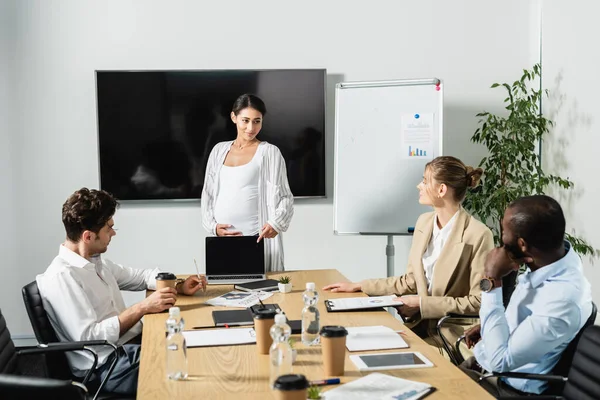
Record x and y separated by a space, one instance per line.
310 285
333 331
280 319
174 312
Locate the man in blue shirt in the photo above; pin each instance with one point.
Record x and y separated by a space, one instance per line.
550 304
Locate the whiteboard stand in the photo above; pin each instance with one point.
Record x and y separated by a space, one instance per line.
390 252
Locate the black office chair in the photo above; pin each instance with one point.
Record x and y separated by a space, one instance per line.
56 364
508 287
14 386
564 366
582 381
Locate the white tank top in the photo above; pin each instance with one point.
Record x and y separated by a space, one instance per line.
237 199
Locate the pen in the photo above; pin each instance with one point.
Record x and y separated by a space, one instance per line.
323 382
198 273
261 303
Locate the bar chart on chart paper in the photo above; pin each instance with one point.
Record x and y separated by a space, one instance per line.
416 152
416 131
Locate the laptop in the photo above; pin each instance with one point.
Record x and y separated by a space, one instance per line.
234 259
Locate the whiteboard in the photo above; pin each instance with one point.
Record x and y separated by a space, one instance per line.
385 133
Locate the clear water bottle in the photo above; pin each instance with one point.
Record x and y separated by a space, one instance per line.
280 353
176 348
310 316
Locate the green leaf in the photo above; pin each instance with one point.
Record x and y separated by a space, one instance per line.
512 167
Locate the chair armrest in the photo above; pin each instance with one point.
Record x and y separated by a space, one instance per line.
455 315
454 355
75 346
525 375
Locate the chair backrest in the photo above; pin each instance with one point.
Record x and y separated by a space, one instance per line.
14 387
584 381
8 353
57 366
563 366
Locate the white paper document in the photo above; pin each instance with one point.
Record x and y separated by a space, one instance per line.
380 386
416 131
239 299
361 338
357 303
219 337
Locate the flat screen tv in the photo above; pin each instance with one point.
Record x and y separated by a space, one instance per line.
156 128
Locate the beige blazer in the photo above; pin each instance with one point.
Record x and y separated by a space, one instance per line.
456 274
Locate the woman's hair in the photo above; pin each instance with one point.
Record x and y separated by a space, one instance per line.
249 101
455 174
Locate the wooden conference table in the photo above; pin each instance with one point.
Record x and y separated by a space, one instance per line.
239 372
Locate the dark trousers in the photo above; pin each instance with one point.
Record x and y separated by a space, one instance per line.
124 377
494 386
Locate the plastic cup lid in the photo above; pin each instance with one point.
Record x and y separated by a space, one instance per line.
333 331
291 382
165 276
264 313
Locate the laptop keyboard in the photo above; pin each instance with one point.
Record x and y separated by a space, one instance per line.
217 278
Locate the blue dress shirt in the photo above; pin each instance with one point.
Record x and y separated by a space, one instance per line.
547 309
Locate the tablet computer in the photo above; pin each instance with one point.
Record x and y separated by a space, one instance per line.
373 362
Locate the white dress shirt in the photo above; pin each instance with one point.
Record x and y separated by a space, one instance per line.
83 301
546 310
434 248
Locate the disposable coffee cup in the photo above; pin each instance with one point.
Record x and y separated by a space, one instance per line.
165 279
291 387
333 347
264 318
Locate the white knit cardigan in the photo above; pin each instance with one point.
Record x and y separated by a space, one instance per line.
275 200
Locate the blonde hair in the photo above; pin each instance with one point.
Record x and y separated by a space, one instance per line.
455 174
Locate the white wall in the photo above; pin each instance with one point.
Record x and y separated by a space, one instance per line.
467 43
570 63
8 251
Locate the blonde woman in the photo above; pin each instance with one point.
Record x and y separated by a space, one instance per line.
446 259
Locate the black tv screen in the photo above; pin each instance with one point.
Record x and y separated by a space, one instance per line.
156 128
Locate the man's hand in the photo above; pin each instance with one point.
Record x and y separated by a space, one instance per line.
222 230
411 305
498 263
343 287
267 232
192 284
159 301
472 336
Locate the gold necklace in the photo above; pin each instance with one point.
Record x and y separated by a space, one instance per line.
242 147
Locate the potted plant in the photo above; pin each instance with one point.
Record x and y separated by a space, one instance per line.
513 168
285 285
314 393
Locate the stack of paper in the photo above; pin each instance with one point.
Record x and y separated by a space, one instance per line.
239 299
363 338
219 337
380 386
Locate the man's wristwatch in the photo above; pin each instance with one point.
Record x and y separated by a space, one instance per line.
487 284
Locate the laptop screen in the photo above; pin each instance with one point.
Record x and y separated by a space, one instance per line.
234 255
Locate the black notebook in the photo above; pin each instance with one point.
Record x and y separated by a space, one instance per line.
232 317
264 285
